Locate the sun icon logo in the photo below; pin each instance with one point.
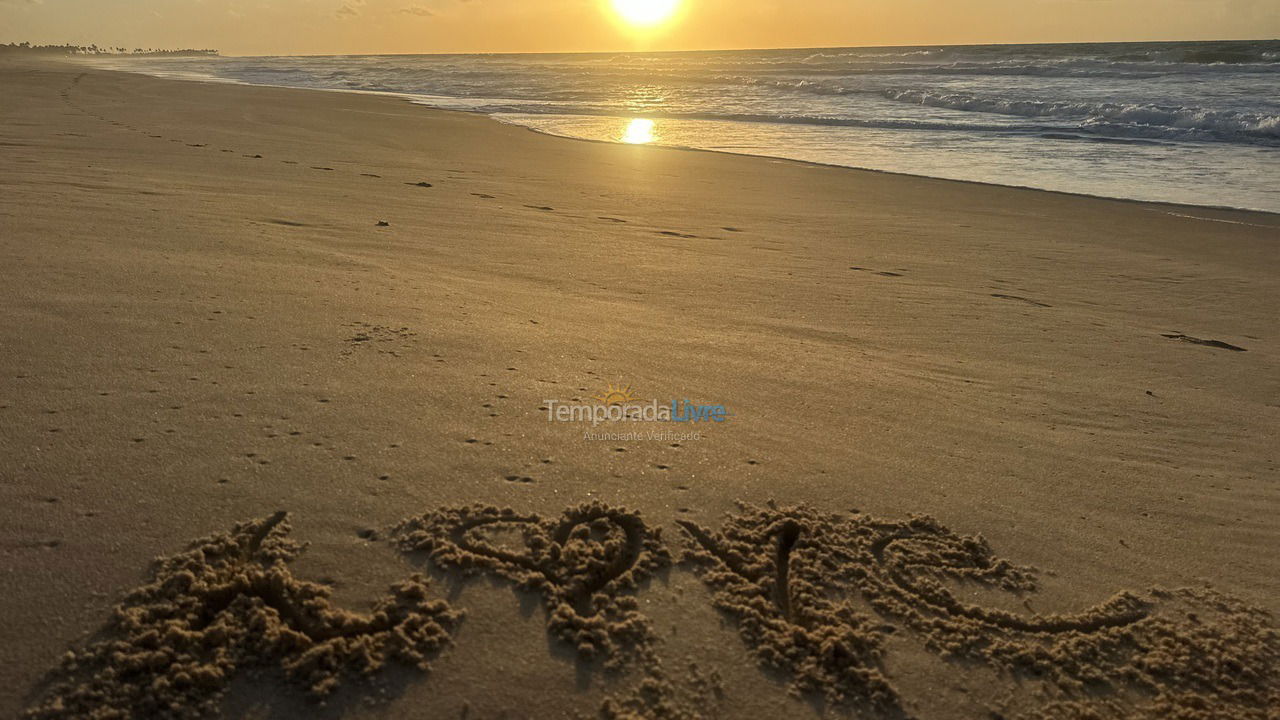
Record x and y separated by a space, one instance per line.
616 395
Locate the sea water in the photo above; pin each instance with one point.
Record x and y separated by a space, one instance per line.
1188 122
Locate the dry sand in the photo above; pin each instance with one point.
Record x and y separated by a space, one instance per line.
974 429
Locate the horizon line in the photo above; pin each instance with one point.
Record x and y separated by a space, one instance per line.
714 50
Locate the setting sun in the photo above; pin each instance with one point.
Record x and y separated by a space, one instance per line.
645 13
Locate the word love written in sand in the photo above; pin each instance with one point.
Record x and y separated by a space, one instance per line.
816 595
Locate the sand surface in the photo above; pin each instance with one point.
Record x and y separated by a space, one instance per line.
971 427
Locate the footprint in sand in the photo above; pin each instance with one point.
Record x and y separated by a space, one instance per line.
385 339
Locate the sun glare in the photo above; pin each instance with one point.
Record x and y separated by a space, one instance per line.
639 132
645 13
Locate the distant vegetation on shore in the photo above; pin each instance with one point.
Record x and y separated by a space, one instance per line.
68 50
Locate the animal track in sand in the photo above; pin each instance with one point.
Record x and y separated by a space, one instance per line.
1208 343
1019 298
228 605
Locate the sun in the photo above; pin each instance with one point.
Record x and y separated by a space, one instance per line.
645 13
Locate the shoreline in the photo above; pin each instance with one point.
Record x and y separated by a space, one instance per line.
1267 214
256 311
416 100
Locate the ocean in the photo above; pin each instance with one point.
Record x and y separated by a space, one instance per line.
1186 122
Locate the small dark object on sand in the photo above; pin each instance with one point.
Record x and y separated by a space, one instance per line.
420 184
383 223
1198 341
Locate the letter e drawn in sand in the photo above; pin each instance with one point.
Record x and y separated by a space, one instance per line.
817 595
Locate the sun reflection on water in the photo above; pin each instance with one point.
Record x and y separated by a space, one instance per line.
639 131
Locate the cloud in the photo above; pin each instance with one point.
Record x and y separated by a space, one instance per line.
418 10
351 8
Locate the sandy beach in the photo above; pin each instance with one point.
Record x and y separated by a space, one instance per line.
227 302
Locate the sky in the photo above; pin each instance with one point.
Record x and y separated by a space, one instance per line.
278 27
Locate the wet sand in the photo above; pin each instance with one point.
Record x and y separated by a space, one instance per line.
224 302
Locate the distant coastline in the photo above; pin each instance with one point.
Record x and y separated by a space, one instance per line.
27 49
